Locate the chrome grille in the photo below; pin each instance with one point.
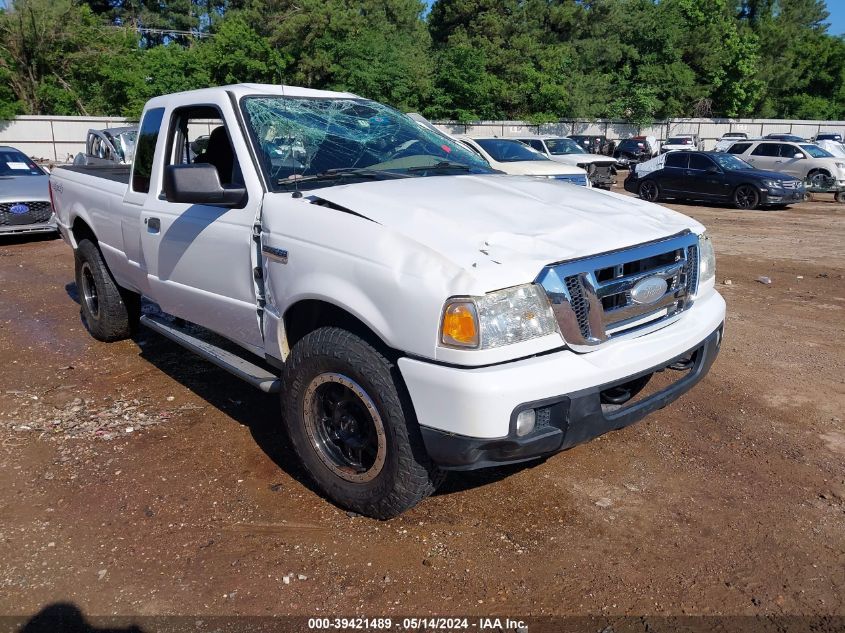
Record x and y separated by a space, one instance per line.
578 302
597 298
39 211
692 268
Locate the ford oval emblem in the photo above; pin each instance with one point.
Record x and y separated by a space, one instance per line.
19 209
649 290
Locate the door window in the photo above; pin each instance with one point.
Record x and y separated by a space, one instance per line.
700 162
198 135
537 144
790 151
738 148
766 149
677 159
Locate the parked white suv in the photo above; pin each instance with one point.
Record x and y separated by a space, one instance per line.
803 160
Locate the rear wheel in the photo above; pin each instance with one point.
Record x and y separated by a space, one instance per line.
746 197
110 313
649 191
351 427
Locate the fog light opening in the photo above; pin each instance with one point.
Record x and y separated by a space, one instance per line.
525 422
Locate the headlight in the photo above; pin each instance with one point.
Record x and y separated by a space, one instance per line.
706 260
840 165
773 184
498 318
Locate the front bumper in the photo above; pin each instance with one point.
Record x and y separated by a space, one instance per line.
573 419
781 196
475 407
40 227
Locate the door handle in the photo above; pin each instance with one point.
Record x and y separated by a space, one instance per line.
153 225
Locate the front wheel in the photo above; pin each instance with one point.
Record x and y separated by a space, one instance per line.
746 197
819 179
649 191
350 427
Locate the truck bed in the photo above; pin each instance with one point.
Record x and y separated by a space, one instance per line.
116 173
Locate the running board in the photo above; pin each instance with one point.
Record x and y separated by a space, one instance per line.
233 363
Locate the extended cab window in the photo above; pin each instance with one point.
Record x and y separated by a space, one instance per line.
148 136
198 135
677 159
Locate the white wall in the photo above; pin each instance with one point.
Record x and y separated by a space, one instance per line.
709 130
60 138
53 138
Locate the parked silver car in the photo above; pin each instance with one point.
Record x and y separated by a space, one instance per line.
24 195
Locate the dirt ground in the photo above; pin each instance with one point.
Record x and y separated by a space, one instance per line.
136 479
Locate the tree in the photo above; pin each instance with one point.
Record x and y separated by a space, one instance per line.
238 54
378 48
42 42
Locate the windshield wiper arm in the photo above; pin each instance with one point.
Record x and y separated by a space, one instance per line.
444 165
337 173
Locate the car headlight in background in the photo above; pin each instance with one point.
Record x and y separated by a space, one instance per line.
706 260
498 318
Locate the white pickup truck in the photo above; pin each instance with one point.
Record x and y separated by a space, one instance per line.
417 311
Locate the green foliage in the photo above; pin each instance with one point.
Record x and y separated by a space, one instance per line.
539 60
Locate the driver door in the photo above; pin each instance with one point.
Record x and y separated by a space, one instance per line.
791 157
199 257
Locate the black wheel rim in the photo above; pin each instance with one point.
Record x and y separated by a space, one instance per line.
746 197
648 191
818 180
345 428
89 291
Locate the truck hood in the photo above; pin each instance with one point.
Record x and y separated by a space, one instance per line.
24 188
504 229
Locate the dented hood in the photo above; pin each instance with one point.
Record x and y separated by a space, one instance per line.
505 229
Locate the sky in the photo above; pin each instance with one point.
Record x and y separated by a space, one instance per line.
836 8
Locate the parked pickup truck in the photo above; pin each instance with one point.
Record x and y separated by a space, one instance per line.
416 311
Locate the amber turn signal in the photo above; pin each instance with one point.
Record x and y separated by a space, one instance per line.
460 324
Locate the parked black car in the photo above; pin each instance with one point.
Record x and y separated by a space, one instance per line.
632 151
828 136
715 176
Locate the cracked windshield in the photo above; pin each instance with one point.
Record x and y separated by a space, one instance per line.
304 143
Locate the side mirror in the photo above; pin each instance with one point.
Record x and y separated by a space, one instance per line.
798 155
199 184
713 169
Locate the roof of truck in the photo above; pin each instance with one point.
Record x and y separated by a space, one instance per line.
243 90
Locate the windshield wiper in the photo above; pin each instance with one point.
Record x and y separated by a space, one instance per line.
338 173
444 165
